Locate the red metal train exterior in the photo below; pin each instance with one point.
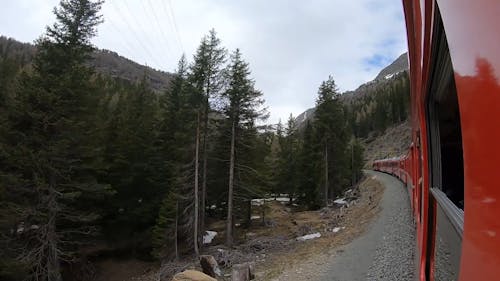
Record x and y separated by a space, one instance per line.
452 165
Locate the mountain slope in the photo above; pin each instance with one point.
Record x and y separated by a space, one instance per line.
385 77
104 61
400 64
394 142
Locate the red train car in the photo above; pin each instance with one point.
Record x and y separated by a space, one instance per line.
451 166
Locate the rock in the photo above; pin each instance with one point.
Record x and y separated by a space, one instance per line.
243 272
192 275
271 223
251 270
240 272
209 265
304 229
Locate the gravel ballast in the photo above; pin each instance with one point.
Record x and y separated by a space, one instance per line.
385 251
394 257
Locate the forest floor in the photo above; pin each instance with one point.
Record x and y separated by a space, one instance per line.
273 246
352 222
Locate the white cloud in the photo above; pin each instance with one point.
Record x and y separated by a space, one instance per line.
291 45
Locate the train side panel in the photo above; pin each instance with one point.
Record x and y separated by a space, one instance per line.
472 33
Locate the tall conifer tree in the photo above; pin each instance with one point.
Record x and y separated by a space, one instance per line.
331 133
242 110
54 156
207 79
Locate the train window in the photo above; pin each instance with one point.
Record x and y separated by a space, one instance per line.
446 166
446 156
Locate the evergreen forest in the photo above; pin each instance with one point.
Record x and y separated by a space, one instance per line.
96 165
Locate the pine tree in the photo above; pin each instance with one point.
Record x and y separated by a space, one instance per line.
307 169
273 164
53 161
135 169
357 161
165 231
207 79
11 208
176 141
242 110
289 155
330 128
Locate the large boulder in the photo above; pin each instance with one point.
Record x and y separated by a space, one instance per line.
192 275
209 266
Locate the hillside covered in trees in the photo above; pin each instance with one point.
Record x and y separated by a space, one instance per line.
376 105
93 163
104 62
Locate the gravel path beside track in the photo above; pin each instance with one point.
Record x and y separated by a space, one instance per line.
384 252
394 258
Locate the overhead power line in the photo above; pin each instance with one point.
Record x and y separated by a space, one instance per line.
170 12
130 48
146 49
161 32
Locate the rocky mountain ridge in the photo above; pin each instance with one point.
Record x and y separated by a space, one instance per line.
104 61
385 76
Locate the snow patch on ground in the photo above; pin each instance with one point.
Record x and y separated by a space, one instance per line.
209 236
255 217
389 76
309 236
260 201
337 229
340 201
257 202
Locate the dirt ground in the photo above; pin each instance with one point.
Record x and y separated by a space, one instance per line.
273 245
354 219
112 269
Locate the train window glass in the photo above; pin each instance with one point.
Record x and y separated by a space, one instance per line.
445 162
446 156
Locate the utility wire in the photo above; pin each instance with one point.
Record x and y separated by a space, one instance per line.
162 33
130 50
153 58
138 39
174 24
171 24
158 34
142 29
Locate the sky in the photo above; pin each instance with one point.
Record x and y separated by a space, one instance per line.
291 46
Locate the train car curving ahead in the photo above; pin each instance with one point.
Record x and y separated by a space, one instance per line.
452 164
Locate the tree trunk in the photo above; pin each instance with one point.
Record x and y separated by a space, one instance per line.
326 174
354 176
204 179
205 161
196 175
263 212
249 213
52 258
229 222
176 248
